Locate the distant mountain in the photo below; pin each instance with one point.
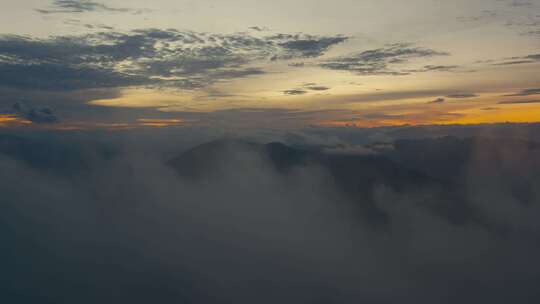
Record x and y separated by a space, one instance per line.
357 176
207 160
437 173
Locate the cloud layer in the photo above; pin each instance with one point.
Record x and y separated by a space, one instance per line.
148 57
105 219
383 61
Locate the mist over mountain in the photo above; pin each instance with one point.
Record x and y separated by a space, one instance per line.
265 152
208 219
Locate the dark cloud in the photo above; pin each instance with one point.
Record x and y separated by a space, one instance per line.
297 64
462 95
515 62
42 115
310 46
82 6
533 58
64 78
434 68
295 92
94 26
527 92
145 57
318 88
315 87
383 61
35 115
305 88
440 67
438 100
237 73
259 28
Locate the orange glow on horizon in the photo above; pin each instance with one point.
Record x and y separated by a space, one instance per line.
518 113
15 121
159 123
10 120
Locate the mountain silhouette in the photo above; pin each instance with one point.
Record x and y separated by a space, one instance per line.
357 177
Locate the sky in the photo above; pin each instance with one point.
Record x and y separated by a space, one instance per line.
84 64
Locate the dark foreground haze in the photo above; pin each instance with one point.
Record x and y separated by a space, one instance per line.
396 215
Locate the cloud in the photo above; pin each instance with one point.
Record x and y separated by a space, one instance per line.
434 68
462 95
152 57
533 58
295 92
62 77
256 28
96 26
83 6
105 210
308 46
317 88
305 88
41 115
438 100
515 62
527 92
297 64
350 150
383 61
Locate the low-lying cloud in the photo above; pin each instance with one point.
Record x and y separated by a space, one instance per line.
104 218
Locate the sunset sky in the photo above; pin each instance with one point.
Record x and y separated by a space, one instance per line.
69 64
